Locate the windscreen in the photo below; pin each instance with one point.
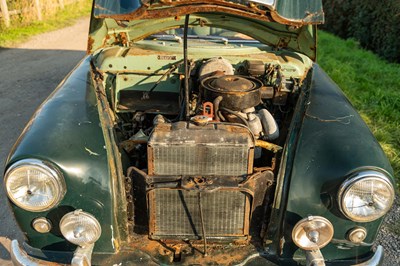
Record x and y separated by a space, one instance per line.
115 7
306 11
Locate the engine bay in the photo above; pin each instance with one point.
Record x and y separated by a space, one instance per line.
145 87
202 138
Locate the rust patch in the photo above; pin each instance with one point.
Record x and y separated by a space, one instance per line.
177 9
89 45
268 146
123 38
201 7
192 252
150 158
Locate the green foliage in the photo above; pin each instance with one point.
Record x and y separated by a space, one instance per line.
371 84
20 29
375 24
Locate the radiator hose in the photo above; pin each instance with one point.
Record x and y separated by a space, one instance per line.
268 146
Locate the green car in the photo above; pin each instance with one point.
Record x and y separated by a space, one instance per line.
199 133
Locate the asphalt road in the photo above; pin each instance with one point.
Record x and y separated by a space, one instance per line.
28 74
31 71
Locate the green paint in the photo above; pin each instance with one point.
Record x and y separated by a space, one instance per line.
63 130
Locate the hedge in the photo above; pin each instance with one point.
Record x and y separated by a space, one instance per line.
375 24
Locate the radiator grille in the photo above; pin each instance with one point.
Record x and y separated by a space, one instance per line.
176 213
186 149
200 160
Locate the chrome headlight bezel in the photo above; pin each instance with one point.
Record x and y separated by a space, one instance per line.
362 176
50 170
75 225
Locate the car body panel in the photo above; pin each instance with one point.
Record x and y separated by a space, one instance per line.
76 130
66 130
333 142
283 11
107 32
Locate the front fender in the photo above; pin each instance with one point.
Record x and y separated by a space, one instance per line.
66 131
333 141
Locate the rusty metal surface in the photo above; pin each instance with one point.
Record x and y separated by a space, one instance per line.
161 102
107 120
258 186
237 92
183 8
175 213
268 146
187 149
191 253
285 12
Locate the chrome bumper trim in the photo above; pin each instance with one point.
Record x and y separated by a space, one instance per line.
20 258
375 260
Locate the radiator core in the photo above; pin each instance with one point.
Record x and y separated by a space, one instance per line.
176 214
185 149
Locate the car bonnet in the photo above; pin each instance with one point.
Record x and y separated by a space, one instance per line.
292 22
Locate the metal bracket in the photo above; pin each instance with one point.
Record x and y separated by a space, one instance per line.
314 258
83 256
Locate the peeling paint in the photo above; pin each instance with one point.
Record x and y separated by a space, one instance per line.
91 152
345 120
113 239
84 122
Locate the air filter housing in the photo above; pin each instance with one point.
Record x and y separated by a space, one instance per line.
238 92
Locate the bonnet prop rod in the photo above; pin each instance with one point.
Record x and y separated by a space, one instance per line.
186 66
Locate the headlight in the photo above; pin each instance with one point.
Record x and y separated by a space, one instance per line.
366 196
80 228
34 185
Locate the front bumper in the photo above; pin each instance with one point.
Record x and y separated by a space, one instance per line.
19 257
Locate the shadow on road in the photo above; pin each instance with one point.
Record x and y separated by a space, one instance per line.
4 254
27 78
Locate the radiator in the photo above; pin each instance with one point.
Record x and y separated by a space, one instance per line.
185 149
175 214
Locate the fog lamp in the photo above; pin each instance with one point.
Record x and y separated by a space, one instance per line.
41 225
313 232
80 228
357 235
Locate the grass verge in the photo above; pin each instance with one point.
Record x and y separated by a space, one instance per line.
66 17
371 84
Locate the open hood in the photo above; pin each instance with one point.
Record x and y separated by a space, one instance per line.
290 12
287 24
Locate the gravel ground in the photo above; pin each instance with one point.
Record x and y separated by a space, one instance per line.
389 236
33 69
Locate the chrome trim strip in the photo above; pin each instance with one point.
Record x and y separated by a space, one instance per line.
375 260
